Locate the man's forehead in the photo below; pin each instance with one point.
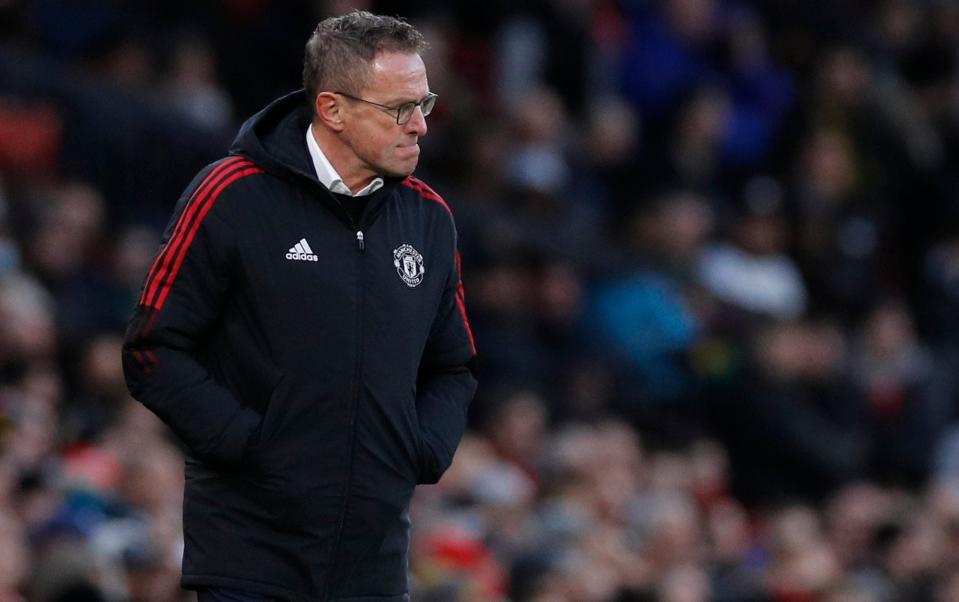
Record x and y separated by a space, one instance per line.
396 77
399 65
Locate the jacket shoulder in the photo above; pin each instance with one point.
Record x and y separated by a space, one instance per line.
224 172
217 181
220 175
420 188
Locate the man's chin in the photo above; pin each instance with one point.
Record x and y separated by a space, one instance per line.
400 171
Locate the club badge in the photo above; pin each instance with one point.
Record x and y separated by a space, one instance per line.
409 265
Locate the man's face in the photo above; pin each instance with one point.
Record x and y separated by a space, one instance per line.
382 146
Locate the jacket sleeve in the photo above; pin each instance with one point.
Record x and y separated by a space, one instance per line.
446 383
179 305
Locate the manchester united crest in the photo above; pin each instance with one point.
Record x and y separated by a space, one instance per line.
409 265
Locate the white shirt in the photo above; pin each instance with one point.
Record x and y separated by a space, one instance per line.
327 174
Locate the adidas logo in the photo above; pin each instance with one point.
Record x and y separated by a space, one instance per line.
302 252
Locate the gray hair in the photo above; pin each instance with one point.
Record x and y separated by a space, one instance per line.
340 53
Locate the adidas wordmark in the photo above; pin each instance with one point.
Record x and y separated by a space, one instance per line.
301 252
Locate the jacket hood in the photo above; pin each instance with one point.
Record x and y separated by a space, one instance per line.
275 138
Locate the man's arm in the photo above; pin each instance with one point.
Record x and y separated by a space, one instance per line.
447 383
180 302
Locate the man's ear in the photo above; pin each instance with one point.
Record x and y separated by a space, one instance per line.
328 108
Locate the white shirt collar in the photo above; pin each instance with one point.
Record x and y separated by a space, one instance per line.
327 174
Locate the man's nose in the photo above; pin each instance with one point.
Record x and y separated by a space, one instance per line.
417 123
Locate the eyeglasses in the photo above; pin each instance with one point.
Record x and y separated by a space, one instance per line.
404 112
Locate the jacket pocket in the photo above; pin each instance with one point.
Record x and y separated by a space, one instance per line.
425 462
269 420
418 463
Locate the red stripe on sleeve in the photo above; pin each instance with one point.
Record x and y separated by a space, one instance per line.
138 356
461 302
428 193
150 360
162 262
207 204
425 191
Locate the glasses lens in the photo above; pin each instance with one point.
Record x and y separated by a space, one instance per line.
404 112
427 105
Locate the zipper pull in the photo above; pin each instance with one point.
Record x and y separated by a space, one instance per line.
359 240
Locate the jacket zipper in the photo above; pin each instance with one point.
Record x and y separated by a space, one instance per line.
357 383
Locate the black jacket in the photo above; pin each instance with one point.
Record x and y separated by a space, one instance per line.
315 368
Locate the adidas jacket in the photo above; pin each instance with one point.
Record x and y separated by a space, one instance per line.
316 369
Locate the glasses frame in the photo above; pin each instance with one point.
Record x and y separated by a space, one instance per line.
399 109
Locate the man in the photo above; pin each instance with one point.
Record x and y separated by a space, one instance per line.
303 331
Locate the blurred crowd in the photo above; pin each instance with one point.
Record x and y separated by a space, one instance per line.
711 255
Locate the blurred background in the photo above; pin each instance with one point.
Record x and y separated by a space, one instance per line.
711 255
